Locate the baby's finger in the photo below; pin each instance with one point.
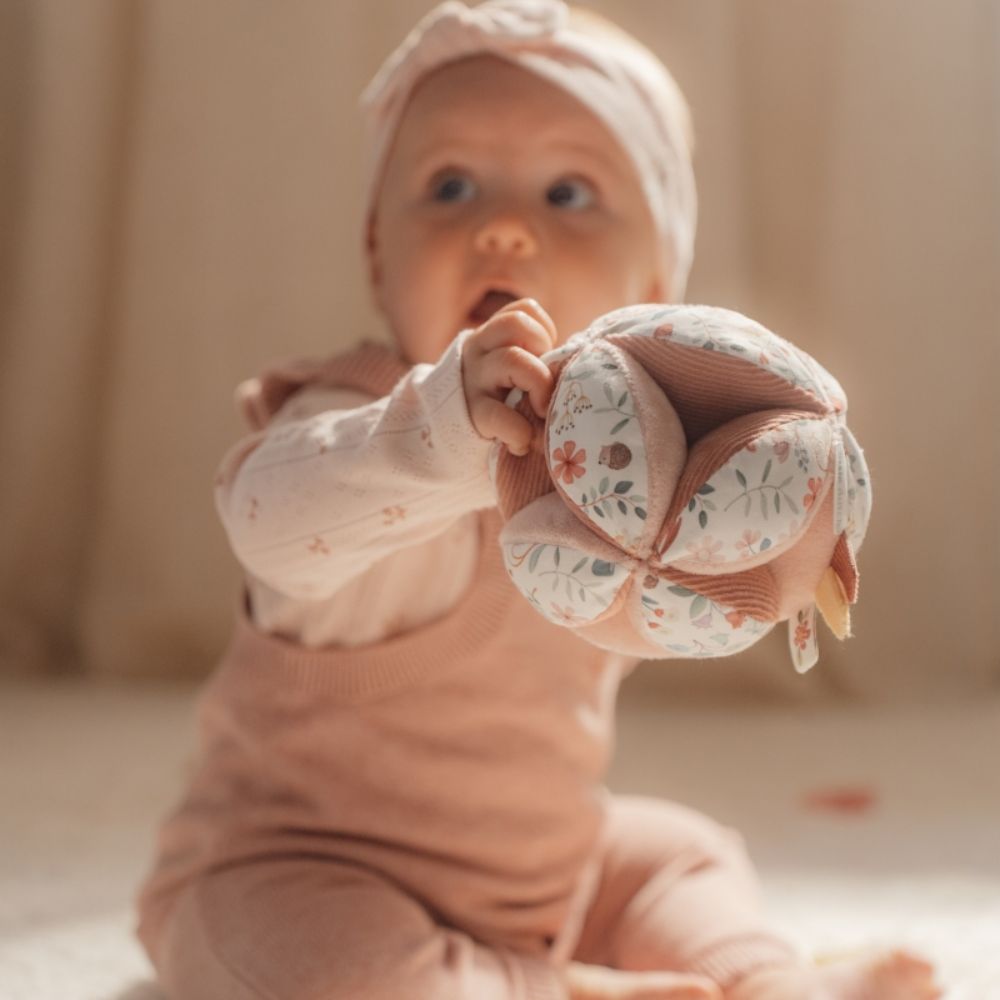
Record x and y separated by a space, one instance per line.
533 308
494 419
514 328
514 368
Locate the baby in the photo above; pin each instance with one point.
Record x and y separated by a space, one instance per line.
399 792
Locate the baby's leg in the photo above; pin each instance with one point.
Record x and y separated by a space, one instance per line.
678 892
303 929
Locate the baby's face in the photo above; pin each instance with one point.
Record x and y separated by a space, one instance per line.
498 180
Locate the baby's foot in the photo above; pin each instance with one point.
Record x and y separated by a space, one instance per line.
596 982
890 975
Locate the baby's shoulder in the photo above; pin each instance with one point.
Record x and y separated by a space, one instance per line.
300 387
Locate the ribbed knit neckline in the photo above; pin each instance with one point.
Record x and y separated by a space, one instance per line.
378 669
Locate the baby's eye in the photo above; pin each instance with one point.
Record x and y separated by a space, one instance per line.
571 193
452 187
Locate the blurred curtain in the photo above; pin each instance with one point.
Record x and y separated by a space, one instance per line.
179 203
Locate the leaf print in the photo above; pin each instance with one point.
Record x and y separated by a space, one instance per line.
622 507
698 605
691 503
623 487
763 505
703 518
601 567
533 561
742 479
766 544
680 591
557 555
705 489
607 392
767 471
603 488
599 512
622 398
579 565
620 425
640 513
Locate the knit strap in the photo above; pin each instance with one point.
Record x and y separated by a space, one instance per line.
369 366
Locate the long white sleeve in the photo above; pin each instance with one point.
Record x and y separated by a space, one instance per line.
309 503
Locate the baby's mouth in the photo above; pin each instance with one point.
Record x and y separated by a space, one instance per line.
491 301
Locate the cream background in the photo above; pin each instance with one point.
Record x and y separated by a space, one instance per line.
179 188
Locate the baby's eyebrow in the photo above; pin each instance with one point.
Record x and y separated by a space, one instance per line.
446 149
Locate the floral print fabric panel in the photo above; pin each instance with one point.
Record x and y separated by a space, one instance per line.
567 572
758 503
596 452
688 624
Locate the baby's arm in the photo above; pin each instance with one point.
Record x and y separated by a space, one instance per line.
310 503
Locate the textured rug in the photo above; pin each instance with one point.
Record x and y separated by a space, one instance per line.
869 826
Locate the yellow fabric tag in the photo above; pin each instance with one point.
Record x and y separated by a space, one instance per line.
831 599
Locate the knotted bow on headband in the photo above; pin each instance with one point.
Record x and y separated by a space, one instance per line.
615 77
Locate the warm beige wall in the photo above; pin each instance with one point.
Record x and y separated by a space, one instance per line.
179 191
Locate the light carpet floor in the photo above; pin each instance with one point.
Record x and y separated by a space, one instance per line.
869 826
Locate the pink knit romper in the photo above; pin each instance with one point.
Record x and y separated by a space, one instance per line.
422 816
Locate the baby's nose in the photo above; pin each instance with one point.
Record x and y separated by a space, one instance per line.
506 234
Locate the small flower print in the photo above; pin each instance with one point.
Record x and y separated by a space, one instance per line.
575 400
735 618
318 546
393 514
810 498
705 550
745 546
569 463
782 449
566 616
802 634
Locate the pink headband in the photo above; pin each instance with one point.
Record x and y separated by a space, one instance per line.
617 79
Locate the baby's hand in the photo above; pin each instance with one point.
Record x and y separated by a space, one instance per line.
501 355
